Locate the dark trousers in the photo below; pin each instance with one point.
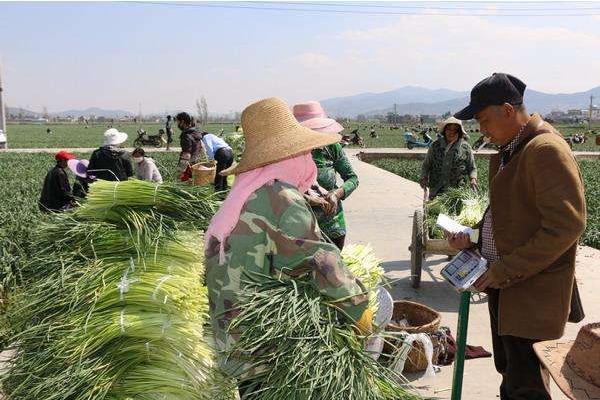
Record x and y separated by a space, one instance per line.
523 377
224 159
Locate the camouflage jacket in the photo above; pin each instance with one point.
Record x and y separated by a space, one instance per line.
276 233
450 168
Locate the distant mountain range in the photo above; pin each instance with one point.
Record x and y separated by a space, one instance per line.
408 100
418 100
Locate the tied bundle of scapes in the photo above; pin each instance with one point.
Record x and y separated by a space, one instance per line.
302 347
464 205
112 303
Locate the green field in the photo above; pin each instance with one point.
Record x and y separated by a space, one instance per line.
76 135
23 136
411 169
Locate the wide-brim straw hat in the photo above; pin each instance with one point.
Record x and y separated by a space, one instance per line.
574 365
273 134
112 137
312 115
451 120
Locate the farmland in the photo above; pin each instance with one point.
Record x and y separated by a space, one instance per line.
411 169
76 135
23 136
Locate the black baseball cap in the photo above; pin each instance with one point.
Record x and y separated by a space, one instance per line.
493 91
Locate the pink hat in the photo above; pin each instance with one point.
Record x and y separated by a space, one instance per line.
311 115
79 167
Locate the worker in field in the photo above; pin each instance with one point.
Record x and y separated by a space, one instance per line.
331 161
529 234
265 227
111 162
190 140
145 167
449 161
56 193
218 150
169 131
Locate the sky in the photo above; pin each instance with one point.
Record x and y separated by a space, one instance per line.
118 55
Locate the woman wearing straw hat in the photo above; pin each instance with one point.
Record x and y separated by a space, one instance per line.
449 161
265 226
330 160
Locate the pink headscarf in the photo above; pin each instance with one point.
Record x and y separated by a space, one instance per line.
299 171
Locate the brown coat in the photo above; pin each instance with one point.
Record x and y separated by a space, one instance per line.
539 213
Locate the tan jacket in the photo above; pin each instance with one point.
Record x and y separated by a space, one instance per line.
539 213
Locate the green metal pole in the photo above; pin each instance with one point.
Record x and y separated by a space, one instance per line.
461 344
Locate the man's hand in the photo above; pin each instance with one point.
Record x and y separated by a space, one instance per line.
483 282
333 198
459 241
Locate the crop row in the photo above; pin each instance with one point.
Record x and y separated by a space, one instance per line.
590 170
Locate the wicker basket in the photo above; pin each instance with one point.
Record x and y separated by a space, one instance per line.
421 319
204 173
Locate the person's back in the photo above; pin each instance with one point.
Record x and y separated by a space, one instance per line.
212 143
110 164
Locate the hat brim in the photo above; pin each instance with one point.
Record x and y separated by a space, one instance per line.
118 138
72 164
468 112
281 146
552 354
324 125
443 126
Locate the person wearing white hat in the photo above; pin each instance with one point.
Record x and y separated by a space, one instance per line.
110 162
449 161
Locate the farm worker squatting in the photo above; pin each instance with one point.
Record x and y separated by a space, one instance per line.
265 226
110 162
145 167
529 234
56 193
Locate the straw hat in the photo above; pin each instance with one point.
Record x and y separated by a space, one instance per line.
272 134
311 115
574 365
452 120
113 137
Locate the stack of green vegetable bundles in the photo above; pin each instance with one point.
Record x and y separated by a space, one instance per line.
112 305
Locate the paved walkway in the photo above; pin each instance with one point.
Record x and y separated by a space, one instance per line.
380 212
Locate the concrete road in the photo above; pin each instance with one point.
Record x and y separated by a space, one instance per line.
380 212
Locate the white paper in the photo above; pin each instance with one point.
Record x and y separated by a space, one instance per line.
450 225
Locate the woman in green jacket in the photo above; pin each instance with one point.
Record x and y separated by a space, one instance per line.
326 197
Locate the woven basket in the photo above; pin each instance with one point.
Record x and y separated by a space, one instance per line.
421 319
204 173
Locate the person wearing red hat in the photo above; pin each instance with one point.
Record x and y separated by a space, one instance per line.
56 193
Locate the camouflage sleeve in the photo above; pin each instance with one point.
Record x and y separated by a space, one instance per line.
427 163
299 249
470 160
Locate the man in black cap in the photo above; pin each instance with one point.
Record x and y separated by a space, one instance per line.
529 234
